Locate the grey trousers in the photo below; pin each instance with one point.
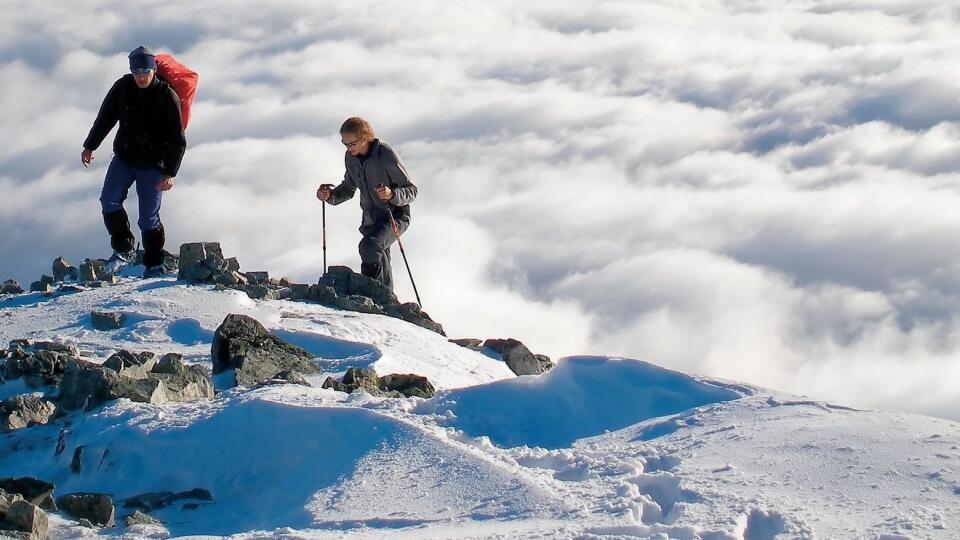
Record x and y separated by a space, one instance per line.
375 250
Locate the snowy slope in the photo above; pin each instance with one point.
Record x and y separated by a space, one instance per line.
597 448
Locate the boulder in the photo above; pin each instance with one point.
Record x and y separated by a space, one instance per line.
107 320
86 385
30 489
299 291
23 411
139 518
63 270
346 283
87 271
96 507
130 365
44 285
244 345
470 343
25 517
199 261
412 313
40 368
68 349
155 500
361 379
189 384
409 385
257 278
516 355
11 286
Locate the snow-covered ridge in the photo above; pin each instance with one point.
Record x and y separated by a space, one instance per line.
597 448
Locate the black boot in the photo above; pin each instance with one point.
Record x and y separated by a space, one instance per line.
153 241
118 226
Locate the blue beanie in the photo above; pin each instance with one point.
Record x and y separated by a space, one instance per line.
142 57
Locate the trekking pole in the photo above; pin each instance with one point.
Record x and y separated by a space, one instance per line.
396 231
324 237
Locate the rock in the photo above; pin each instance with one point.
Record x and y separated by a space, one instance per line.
412 313
233 265
516 355
333 384
545 363
68 349
66 289
299 291
139 518
87 271
259 292
11 286
63 270
151 390
171 363
130 365
148 502
44 285
286 282
199 261
28 518
346 283
107 320
257 278
286 377
38 369
470 343
84 522
230 277
32 490
323 294
409 385
86 385
361 379
243 344
358 303
23 411
190 384
96 507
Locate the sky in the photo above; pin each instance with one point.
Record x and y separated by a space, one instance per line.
761 191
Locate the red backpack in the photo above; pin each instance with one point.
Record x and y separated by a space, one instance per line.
182 79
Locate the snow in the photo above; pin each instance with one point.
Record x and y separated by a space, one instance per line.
598 448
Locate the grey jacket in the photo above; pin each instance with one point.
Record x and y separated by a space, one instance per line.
382 166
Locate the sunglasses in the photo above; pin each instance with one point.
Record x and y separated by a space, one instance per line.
352 144
141 71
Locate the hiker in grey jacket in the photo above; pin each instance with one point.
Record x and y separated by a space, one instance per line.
385 189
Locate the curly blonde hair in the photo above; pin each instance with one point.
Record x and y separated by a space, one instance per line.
359 127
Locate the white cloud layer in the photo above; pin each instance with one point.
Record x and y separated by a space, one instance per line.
765 192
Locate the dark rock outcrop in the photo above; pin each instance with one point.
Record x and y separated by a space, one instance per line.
107 320
30 489
11 286
24 520
23 411
394 385
155 500
244 345
518 357
64 271
139 518
96 507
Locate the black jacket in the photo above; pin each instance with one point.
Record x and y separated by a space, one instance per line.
381 166
150 132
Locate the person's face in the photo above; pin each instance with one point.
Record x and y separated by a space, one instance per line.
142 77
355 145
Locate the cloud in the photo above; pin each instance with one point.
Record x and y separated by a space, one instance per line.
765 193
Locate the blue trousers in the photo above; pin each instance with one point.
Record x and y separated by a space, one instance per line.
120 176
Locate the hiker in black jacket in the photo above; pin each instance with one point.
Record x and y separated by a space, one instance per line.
147 151
385 188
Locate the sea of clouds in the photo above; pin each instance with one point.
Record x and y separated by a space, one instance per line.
762 191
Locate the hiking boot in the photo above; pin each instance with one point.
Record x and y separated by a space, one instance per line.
119 260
